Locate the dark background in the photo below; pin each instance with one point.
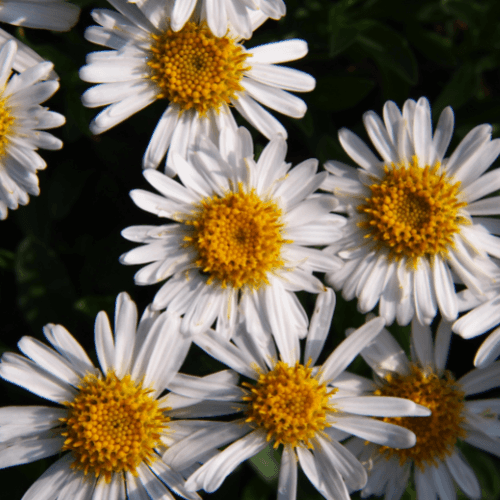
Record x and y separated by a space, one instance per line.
59 255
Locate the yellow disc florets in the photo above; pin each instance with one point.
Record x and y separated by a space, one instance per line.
288 404
238 238
112 425
436 434
196 69
6 123
413 211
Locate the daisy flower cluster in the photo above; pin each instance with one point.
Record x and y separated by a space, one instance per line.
245 269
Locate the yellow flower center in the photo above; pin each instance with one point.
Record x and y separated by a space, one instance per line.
6 123
238 238
195 69
436 434
112 425
413 211
289 404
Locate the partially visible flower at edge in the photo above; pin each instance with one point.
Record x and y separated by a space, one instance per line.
22 128
435 460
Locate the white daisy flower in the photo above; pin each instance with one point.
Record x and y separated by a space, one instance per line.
112 425
293 403
413 229
482 317
55 15
435 461
241 238
200 75
22 125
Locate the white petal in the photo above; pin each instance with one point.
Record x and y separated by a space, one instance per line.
287 482
421 338
274 98
479 320
384 354
425 296
214 435
68 347
160 140
282 77
211 475
261 119
226 352
51 480
25 373
489 350
480 380
345 462
358 150
385 406
443 133
180 13
445 289
348 349
104 342
442 345
278 52
375 431
379 137
483 442
443 482
464 475
320 325
422 133
27 450
424 485
279 315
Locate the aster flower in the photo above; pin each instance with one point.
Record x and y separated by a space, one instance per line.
113 424
412 230
22 125
241 238
150 61
435 461
56 15
484 315
305 408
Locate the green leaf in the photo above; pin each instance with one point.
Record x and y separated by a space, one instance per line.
336 93
66 184
460 88
7 259
342 35
388 48
433 46
256 489
45 291
267 463
93 304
